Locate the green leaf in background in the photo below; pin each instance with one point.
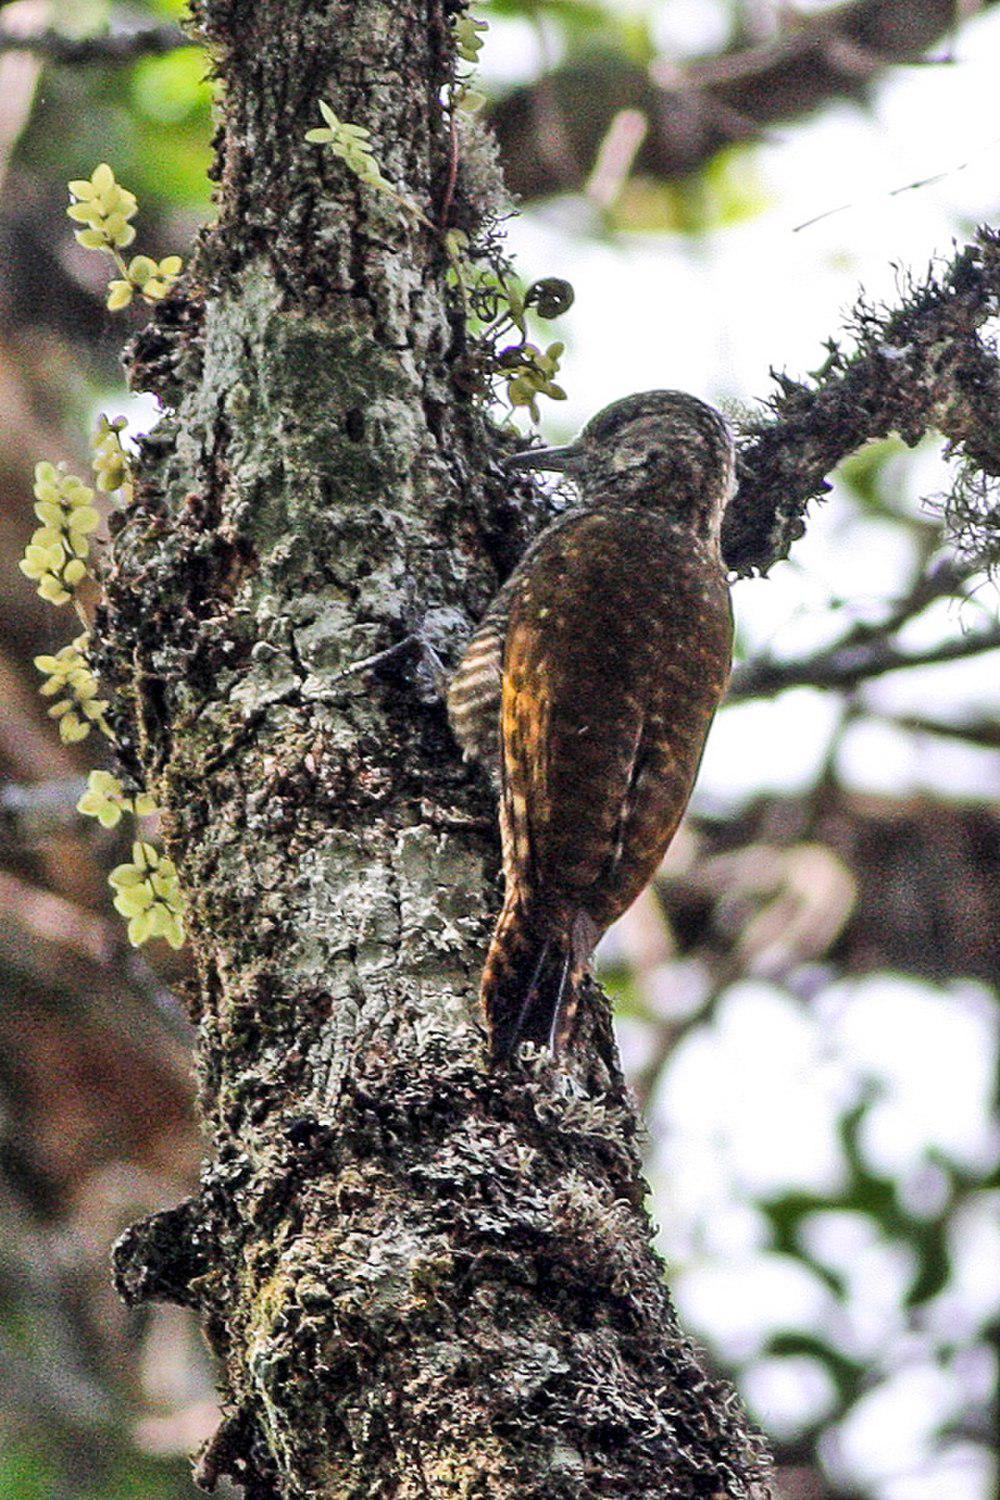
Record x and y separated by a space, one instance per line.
625 994
33 1472
119 117
864 473
727 192
579 14
585 28
26 1475
172 88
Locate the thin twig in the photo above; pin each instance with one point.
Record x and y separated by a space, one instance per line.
449 187
983 733
844 666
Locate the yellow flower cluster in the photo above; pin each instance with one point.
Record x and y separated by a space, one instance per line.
529 375
148 893
69 674
152 279
147 889
105 799
56 555
105 207
351 144
110 462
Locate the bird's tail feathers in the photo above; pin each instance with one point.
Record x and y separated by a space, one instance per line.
530 982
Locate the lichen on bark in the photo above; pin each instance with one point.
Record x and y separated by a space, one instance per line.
419 1279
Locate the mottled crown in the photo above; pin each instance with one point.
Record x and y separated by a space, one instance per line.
665 444
660 449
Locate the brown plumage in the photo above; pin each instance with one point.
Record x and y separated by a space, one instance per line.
595 674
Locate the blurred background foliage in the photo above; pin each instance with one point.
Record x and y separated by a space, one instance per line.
806 997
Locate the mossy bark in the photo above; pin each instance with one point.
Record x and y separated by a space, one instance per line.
420 1279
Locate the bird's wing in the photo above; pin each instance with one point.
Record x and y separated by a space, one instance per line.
571 727
606 704
475 690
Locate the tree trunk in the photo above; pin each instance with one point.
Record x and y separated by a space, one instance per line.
420 1279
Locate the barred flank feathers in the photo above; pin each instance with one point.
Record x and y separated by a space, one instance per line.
476 689
529 988
474 693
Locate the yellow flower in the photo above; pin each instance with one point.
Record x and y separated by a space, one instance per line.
71 727
529 375
468 38
83 519
140 269
51 590
105 207
54 556
119 295
351 144
69 675
147 892
41 558
110 461
151 279
103 799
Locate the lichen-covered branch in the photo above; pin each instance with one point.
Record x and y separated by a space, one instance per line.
420 1279
928 364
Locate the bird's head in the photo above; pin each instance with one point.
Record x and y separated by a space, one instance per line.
660 449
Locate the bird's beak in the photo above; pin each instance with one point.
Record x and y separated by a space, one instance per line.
558 459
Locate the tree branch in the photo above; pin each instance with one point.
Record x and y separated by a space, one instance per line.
867 650
984 734
928 901
122 44
696 109
55 944
33 808
846 666
919 367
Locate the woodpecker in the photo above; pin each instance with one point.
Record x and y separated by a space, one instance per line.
588 690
